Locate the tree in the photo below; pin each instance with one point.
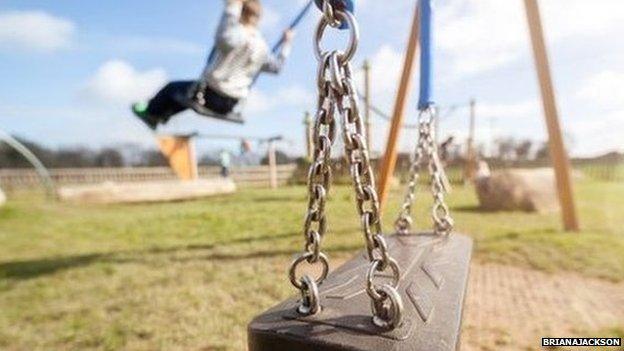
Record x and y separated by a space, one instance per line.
153 158
506 148
281 158
74 158
9 158
109 157
543 152
523 149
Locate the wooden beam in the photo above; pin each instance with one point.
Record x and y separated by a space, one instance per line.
561 163
390 156
309 136
471 155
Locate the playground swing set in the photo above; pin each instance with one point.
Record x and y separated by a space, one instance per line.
405 291
194 98
179 150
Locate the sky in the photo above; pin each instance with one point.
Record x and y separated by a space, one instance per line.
70 68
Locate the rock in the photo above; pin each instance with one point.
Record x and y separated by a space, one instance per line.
531 190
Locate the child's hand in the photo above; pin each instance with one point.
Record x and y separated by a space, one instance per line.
289 35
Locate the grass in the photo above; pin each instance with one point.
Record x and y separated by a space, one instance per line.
190 275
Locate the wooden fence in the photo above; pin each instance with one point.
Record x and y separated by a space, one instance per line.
252 176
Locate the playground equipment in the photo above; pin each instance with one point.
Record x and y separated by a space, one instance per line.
195 98
42 171
179 150
414 283
560 160
146 192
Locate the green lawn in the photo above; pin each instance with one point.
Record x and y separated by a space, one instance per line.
190 275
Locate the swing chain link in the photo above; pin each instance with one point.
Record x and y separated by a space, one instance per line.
386 303
319 182
338 98
427 147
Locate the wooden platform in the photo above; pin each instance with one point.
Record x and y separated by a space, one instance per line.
145 192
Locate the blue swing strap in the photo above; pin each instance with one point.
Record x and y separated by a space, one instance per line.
425 99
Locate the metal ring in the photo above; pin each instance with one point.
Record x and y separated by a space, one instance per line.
370 285
381 317
310 299
305 257
403 224
354 37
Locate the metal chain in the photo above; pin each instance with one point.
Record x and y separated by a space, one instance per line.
427 147
319 181
338 98
386 302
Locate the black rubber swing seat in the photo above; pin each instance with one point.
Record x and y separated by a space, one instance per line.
191 103
434 277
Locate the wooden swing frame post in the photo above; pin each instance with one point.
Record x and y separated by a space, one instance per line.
471 155
561 162
309 136
558 154
390 157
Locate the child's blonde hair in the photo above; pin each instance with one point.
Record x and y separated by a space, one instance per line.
252 11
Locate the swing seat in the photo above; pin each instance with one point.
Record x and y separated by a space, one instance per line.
434 276
189 101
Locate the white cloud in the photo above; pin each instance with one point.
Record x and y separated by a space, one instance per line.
604 89
481 35
35 30
386 65
119 83
293 96
270 18
529 108
155 45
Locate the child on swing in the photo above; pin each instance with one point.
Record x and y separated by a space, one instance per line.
241 52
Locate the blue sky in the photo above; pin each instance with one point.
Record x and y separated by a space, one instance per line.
70 68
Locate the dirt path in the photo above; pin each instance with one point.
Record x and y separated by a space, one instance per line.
511 308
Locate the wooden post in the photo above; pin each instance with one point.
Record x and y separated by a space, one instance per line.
471 156
561 163
309 134
179 150
390 156
272 165
367 102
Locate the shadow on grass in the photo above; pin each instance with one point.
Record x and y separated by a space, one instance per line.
469 209
28 269
281 198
